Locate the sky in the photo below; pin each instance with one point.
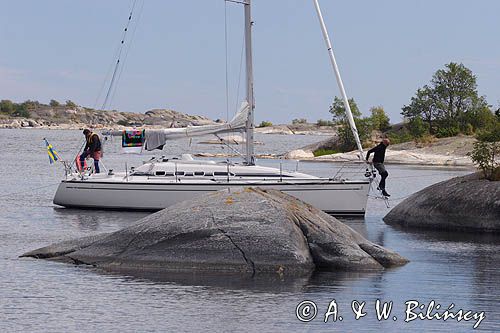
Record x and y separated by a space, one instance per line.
174 54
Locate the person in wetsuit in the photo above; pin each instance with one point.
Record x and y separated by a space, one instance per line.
378 163
92 148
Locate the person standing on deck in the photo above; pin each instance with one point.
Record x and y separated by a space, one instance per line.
378 163
92 148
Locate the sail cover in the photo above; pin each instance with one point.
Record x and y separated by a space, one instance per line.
155 139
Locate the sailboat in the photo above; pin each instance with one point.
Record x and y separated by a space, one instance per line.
162 182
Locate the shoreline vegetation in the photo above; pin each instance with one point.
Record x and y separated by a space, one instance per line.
446 122
33 114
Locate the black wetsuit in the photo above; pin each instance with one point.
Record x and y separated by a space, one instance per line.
378 162
379 153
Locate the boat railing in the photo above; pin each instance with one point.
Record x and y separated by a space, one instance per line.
354 170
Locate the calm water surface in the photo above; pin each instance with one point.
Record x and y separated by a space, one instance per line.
37 295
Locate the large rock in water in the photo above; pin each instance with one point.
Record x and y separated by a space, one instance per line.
462 203
245 230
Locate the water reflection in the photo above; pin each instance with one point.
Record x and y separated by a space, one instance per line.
260 283
453 237
39 295
95 220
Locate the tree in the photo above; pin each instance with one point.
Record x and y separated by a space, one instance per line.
322 122
265 123
54 103
21 110
337 109
449 103
70 104
31 105
6 106
417 127
379 119
346 138
480 116
455 87
486 152
299 121
422 105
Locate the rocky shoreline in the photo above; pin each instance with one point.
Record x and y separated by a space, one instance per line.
468 203
79 117
241 231
298 129
444 152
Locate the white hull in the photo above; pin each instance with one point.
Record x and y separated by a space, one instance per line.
333 197
161 183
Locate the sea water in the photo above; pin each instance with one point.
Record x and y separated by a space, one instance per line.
457 270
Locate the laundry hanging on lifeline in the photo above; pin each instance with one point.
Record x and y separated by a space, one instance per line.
132 141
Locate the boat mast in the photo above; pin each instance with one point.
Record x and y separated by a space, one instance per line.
250 156
350 118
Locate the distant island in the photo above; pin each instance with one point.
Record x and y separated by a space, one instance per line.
55 115
440 124
69 115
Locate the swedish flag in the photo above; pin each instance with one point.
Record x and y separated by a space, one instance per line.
53 156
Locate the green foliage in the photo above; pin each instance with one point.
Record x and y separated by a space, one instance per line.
337 109
379 119
450 103
422 105
400 136
299 121
21 110
491 135
480 117
346 138
446 132
70 104
31 105
486 152
17 109
321 152
417 128
322 122
265 124
469 129
54 103
484 155
6 106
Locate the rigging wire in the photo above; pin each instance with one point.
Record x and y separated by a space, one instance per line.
236 107
139 15
226 38
110 68
239 74
117 65
226 50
